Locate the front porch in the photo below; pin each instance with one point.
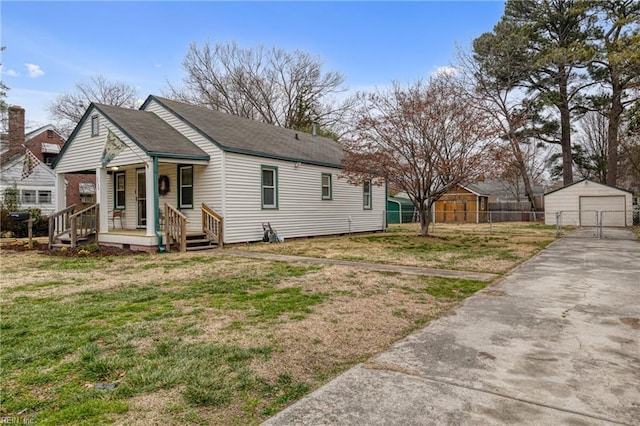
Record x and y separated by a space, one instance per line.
130 239
70 229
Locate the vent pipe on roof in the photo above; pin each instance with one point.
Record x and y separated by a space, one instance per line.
315 128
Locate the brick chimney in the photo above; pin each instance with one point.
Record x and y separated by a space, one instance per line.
16 126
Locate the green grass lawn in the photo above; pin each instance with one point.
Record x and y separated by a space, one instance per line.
207 339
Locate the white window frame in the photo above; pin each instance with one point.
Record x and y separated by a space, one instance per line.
367 195
328 186
49 198
29 192
117 189
274 187
95 125
182 186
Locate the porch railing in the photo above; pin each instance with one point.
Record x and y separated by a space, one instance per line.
60 224
175 227
212 224
84 223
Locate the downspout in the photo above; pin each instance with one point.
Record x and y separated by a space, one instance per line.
385 218
156 202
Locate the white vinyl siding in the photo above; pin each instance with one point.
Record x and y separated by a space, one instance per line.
574 212
300 211
208 179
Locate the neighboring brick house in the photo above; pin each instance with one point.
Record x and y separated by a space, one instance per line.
37 190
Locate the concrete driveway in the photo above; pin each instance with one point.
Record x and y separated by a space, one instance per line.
557 341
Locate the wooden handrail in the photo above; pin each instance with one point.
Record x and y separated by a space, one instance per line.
59 223
212 224
84 223
175 227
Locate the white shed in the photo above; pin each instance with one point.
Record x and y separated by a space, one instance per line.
586 203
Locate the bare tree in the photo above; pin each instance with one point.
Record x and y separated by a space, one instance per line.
3 103
287 89
425 139
591 152
519 118
67 109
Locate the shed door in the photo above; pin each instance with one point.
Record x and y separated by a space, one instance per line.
612 206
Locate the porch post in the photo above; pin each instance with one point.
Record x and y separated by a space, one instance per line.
61 192
102 198
152 185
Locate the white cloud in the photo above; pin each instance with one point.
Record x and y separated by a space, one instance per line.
444 70
9 72
34 70
157 65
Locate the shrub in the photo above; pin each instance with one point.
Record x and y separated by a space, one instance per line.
19 229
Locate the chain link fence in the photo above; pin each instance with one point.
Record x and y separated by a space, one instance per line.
594 223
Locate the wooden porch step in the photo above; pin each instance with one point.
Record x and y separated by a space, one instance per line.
60 245
198 241
68 240
203 247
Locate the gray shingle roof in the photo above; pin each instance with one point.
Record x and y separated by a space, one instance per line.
151 133
238 134
476 190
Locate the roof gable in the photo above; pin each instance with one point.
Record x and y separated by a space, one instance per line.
585 180
151 133
241 135
474 190
32 134
16 162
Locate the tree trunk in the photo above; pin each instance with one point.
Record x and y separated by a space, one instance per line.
425 217
522 168
565 128
612 135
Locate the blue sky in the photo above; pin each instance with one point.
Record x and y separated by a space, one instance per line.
53 45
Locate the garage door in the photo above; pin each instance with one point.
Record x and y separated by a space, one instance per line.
612 206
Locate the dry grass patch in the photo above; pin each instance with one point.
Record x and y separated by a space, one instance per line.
469 247
193 338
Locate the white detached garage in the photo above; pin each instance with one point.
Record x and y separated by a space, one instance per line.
586 203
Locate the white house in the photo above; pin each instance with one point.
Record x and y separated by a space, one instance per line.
192 167
588 203
37 190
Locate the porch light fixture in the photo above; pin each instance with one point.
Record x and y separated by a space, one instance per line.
114 168
297 165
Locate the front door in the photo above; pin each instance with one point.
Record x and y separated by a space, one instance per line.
141 198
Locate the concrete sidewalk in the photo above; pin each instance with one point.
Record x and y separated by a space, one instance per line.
557 341
411 270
